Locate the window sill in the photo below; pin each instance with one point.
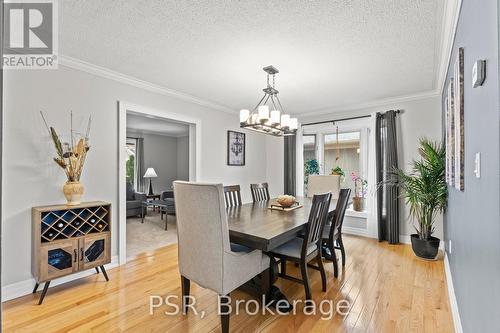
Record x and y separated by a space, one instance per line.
352 213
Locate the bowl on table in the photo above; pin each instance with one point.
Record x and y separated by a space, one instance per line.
286 200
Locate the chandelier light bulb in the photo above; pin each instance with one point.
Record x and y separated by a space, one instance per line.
244 115
263 113
275 117
285 121
294 124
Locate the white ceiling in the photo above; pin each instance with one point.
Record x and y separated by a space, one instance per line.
330 54
151 125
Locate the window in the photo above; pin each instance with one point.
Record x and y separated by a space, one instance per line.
309 142
344 153
130 166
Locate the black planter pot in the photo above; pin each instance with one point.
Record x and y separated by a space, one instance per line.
425 248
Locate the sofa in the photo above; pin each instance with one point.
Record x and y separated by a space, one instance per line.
134 201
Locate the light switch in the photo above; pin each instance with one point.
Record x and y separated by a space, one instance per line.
477 165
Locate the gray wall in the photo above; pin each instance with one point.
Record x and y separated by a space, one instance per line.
183 158
472 221
163 153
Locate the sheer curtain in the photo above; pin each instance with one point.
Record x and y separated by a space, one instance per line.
386 161
139 158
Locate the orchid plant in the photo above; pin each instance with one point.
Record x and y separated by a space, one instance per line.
360 185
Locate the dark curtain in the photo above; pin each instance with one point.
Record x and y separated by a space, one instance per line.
139 165
290 165
387 160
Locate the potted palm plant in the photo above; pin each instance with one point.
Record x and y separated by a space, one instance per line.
425 192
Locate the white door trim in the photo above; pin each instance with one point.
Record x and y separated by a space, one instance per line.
194 158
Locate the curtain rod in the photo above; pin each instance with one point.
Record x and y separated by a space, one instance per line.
342 119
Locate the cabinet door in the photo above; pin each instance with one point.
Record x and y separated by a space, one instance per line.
58 258
95 250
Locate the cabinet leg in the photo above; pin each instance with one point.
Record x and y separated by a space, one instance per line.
35 288
97 270
44 291
104 273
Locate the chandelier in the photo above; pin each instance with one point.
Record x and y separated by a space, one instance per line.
261 119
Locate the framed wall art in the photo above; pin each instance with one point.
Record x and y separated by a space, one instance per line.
450 135
235 148
458 106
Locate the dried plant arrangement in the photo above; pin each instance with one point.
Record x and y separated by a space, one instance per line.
70 156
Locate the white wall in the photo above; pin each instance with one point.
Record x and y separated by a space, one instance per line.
31 178
183 158
419 118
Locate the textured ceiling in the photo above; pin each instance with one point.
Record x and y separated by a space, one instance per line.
330 53
151 125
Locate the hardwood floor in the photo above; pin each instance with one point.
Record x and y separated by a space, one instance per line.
388 288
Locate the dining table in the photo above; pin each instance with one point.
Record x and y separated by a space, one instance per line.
257 226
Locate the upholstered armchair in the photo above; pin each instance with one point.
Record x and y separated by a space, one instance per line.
134 201
205 255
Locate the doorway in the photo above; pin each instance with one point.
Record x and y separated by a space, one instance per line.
156 147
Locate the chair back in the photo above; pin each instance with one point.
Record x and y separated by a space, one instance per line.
318 184
166 195
202 231
260 192
317 219
340 209
232 195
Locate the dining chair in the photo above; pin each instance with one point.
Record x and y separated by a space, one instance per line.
318 184
260 192
332 233
167 210
232 195
304 250
204 249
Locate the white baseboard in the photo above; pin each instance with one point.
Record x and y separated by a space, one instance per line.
451 296
355 231
405 239
25 287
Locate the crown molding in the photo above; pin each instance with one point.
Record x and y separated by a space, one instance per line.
134 131
372 104
451 14
130 80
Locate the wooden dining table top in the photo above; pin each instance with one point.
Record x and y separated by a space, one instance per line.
256 226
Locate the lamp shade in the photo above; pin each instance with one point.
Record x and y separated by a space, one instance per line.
275 117
244 114
285 121
263 113
150 173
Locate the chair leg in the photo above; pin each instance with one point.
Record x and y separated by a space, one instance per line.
342 250
185 286
224 315
97 269
35 288
335 263
283 266
305 279
322 271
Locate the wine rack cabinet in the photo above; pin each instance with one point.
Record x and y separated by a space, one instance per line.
70 239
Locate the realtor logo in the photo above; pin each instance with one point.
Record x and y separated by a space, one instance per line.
30 34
